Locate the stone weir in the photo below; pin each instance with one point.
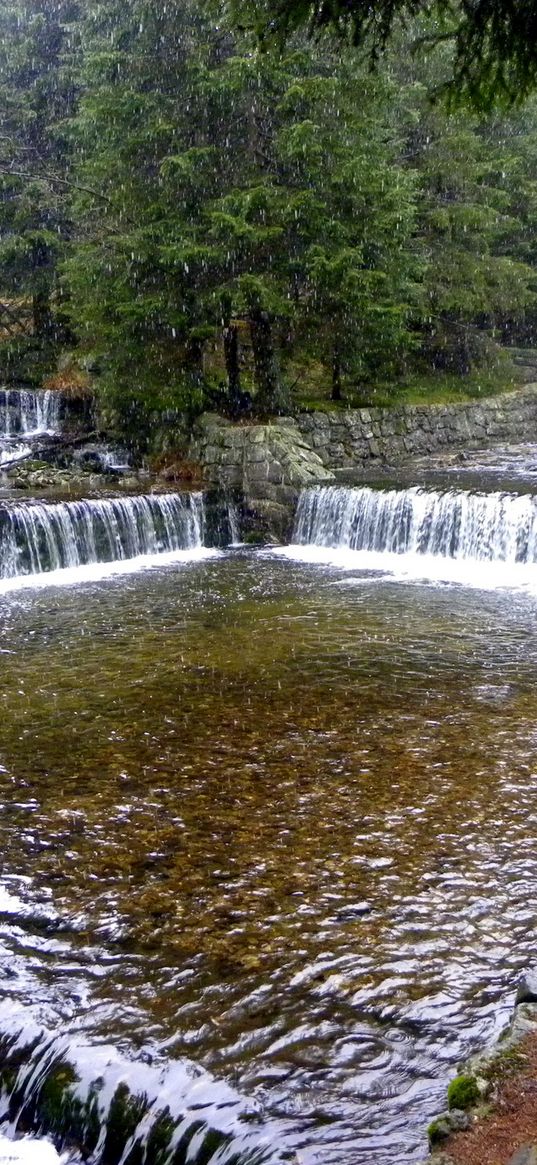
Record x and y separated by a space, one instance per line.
268 465
39 538
113 1111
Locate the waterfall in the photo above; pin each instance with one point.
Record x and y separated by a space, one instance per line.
453 524
36 537
91 1097
24 412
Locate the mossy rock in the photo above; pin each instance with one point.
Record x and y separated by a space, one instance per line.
124 1116
213 1140
438 1131
58 1109
159 1139
463 1092
33 465
8 1077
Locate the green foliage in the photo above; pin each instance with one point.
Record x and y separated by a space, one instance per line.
463 1092
494 41
218 226
37 93
437 1131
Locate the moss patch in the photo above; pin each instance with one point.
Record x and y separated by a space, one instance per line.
463 1092
438 1131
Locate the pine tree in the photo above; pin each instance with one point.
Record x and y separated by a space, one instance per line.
37 94
463 166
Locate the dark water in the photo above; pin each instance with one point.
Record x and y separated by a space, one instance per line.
281 824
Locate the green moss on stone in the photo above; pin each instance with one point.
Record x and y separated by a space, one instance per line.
506 1063
124 1115
92 1123
8 1077
437 1132
158 1141
463 1092
56 1103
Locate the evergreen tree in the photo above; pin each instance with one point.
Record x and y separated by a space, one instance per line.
37 95
253 193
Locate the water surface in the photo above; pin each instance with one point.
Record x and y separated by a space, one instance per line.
276 818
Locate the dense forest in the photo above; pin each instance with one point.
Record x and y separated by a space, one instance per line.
202 223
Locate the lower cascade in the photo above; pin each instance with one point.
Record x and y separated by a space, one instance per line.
120 1111
36 537
454 524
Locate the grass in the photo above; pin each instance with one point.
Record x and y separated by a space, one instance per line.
430 389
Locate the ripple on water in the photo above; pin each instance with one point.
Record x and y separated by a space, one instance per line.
272 825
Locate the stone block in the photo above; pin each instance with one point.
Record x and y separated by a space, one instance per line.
527 987
275 473
257 471
253 454
229 475
336 452
258 435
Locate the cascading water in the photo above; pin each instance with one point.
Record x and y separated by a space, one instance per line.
454 524
37 538
26 413
118 1110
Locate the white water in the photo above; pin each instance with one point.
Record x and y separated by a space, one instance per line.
52 542
29 1151
13 453
474 538
96 571
28 413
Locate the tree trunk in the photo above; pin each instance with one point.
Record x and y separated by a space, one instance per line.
271 395
231 356
336 374
194 360
42 315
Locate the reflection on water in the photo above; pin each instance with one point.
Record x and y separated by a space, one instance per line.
283 827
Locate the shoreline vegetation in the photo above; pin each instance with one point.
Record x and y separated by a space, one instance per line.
491 1114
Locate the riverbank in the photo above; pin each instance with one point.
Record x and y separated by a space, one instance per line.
492 1104
508 1134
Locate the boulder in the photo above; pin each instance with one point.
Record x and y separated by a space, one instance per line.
527 1155
527 987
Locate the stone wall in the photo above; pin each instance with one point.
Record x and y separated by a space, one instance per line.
267 465
346 440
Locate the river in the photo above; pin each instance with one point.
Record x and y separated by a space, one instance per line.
276 818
